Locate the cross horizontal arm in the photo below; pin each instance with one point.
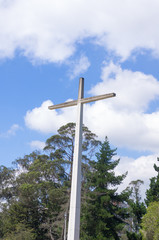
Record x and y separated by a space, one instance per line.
62 105
96 98
82 100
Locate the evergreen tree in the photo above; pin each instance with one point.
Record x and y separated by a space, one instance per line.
152 194
35 194
103 212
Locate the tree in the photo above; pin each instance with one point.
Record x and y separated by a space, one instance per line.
36 192
103 212
6 177
20 233
38 197
61 145
150 222
137 210
152 194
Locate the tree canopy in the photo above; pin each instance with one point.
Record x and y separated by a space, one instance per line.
150 222
35 193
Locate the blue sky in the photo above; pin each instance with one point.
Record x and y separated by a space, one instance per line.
46 46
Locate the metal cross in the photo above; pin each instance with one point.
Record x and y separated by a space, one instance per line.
75 200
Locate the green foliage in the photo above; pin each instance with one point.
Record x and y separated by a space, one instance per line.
137 207
150 222
38 197
35 195
134 236
152 194
61 145
21 233
6 175
103 212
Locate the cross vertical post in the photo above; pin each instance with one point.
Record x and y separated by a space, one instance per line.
75 201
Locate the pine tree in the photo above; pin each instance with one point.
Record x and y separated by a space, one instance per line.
103 212
152 194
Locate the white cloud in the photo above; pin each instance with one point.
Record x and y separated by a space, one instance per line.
123 119
140 168
134 90
38 145
79 66
48 121
12 131
49 30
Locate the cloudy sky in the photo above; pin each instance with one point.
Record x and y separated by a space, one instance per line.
47 45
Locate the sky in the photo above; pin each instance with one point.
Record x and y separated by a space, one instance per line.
47 45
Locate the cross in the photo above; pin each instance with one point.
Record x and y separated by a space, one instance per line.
75 199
